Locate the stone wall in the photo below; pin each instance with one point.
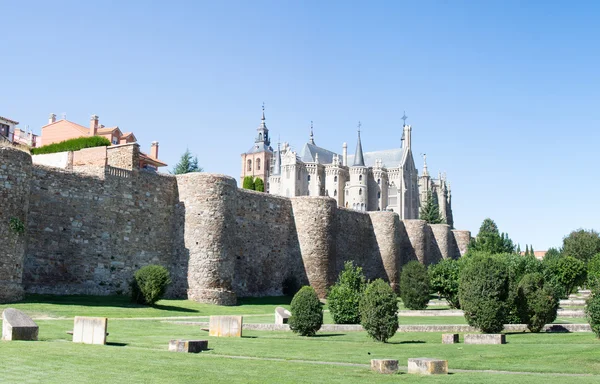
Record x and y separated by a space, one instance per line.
15 171
88 235
124 156
88 231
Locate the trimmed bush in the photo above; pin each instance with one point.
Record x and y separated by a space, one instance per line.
443 279
259 185
72 145
483 292
343 298
414 285
248 183
592 312
379 311
537 302
307 314
518 266
149 284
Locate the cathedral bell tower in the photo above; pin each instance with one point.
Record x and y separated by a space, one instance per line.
256 162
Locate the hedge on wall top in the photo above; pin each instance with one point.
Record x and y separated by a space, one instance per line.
72 145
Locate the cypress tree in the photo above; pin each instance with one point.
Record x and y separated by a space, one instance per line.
259 185
248 183
187 164
431 211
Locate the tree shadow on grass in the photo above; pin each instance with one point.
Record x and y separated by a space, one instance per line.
407 342
112 344
328 334
173 308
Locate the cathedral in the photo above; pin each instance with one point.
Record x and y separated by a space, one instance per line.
365 181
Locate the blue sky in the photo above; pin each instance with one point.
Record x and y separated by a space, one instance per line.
502 96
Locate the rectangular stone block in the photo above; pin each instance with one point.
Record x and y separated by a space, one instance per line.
484 338
188 346
450 338
427 366
387 366
18 326
225 326
282 315
90 330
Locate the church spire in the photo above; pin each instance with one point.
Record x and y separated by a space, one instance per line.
359 160
312 137
263 132
277 166
425 172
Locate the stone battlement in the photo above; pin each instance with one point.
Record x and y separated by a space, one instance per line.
87 234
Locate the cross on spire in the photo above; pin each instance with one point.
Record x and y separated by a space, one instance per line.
312 140
404 117
359 125
263 111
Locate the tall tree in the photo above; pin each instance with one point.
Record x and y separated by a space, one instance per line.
187 163
582 244
490 240
259 185
248 183
431 211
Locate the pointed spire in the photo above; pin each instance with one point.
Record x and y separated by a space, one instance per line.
312 137
263 112
425 172
359 160
277 166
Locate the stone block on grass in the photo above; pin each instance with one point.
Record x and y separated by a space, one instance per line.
188 346
225 326
18 326
485 338
282 315
450 338
388 366
427 366
90 330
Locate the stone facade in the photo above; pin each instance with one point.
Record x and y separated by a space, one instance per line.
87 232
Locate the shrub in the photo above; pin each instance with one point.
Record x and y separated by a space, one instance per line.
72 145
582 244
518 266
343 298
537 302
307 314
593 273
149 284
443 279
248 183
565 273
259 185
379 311
483 291
592 312
414 285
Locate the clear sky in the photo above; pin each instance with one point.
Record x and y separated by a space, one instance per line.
503 96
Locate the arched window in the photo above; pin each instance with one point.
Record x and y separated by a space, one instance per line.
335 192
249 165
360 192
335 179
260 137
379 195
258 164
308 178
359 177
378 181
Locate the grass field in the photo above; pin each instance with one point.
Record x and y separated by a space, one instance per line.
137 350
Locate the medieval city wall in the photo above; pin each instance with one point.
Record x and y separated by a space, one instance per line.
88 230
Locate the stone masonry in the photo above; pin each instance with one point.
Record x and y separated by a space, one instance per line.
88 231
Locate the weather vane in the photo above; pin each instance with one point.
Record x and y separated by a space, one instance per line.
404 117
359 125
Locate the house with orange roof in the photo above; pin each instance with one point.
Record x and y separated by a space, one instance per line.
59 130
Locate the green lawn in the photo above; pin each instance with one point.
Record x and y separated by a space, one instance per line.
137 350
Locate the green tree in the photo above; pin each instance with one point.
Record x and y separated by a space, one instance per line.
443 279
526 250
582 244
593 273
565 273
344 296
536 301
483 292
414 285
552 254
490 240
248 183
187 163
259 185
430 212
379 311
592 312
307 313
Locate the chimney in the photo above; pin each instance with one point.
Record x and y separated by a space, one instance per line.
52 118
154 150
345 155
93 125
